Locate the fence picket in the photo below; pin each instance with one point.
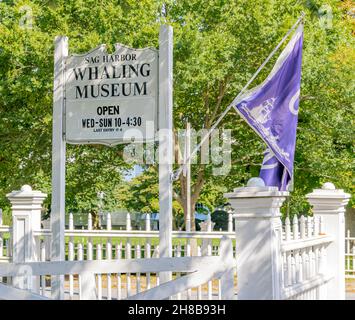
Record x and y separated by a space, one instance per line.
128 255
289 268
295 228
119 279
138 275
99 276
209 253
302 227
199 288
303 248
43 278
178 274
80 258
287 229
309 227
188 254
109 256
147 248
148 255
156 254
89 255
71 256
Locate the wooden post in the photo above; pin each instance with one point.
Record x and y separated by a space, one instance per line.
58 164
165 144
258 238
329 205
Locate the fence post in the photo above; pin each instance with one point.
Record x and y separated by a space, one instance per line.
227 279
258 239
230 222
88 286
26 218
329 205
207 226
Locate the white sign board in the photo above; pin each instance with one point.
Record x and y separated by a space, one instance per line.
111 98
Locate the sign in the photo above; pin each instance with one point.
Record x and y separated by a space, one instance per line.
111 98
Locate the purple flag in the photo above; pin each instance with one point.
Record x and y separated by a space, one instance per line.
271 109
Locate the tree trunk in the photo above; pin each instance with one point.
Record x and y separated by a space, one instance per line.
95 220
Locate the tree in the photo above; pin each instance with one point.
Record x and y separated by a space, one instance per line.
141 194
218 45
27 32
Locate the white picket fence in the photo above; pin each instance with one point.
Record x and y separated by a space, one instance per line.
307 258
303 260
350 256
88 274
303 248
119 245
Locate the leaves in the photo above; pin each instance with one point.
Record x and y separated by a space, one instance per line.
218 45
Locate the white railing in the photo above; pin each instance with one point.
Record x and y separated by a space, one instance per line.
32 275
110 244
349 256
303 248
294 261
5 248
5 241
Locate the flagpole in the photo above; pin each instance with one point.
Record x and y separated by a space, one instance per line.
177 173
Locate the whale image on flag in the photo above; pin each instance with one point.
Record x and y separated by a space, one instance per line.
271 109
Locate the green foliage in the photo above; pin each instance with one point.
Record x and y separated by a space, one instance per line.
218 45
141 194
26 78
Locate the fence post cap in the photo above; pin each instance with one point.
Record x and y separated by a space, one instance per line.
328 193
26 188
328 186
255 182
256 188
26 192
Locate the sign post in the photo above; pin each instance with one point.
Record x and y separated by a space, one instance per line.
58 164
109 99
165 144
